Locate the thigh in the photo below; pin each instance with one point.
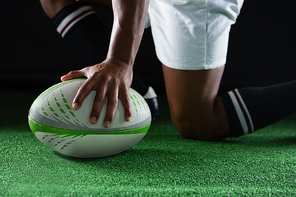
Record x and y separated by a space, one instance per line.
193 102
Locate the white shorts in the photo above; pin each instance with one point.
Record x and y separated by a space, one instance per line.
192 34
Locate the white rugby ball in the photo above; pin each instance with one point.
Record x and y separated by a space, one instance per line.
69 132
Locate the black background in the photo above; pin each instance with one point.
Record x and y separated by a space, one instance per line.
33 56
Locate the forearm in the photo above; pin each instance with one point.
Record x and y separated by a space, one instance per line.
128 28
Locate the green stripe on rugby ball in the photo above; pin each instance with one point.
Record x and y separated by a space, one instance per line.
35 126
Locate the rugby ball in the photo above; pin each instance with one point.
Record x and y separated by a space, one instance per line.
69 132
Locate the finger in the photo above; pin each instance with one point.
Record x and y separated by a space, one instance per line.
111 108
125 99
97 104
82 93
73 75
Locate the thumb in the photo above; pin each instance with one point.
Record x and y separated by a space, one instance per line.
73 75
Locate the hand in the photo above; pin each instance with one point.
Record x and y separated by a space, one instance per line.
110 78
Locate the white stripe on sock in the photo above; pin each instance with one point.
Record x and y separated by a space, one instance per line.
73 18
246 110
240 112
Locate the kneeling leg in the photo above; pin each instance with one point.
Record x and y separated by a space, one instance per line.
196 111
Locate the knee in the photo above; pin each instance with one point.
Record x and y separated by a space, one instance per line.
200 129
52 7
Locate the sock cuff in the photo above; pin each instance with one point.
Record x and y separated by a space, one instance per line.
239 118
69 16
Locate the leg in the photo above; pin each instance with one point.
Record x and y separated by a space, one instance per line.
252 108
196 111
199 114
191 55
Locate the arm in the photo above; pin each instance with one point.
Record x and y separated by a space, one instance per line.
128 28
113 77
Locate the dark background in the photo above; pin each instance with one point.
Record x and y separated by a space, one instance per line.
33 56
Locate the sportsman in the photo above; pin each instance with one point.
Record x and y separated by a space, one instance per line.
191 39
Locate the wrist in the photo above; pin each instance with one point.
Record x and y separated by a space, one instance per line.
119 62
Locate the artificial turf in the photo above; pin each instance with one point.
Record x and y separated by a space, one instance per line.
162 164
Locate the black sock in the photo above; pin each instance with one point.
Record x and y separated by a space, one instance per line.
250 109
83 30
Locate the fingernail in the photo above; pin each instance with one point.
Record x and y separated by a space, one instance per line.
93 120
128 118
107 123
75 106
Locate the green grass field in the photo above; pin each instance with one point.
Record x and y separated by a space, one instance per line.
162 164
